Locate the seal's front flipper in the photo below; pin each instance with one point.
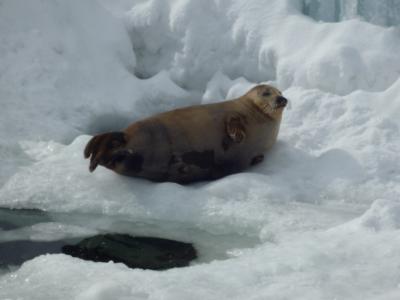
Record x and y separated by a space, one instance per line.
235 128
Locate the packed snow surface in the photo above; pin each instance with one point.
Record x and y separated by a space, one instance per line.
318 219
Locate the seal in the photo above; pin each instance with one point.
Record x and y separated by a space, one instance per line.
194 143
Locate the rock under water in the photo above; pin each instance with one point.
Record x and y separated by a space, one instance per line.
135 252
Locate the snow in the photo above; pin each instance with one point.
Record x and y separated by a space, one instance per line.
318 219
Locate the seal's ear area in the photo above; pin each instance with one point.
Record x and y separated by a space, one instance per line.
235 128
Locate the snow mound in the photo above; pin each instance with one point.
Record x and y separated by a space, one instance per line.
382 215
193 40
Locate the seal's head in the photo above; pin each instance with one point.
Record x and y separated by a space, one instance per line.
105 149
268 99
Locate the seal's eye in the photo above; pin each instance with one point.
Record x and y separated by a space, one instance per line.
266 93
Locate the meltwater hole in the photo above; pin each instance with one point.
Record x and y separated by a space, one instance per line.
25 234
135 252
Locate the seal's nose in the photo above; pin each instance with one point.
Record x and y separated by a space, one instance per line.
281 101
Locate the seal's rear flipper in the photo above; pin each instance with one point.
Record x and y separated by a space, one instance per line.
100 148
91 146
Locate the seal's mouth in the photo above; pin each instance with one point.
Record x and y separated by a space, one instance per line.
280 102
